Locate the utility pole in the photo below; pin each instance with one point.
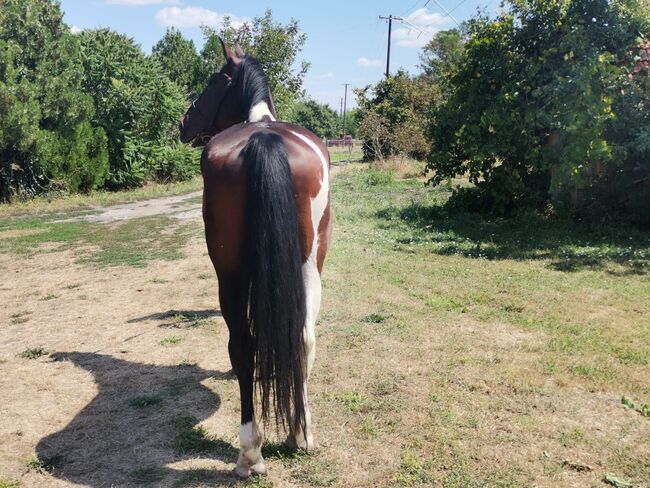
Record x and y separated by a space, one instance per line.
341 112
390 27
345 106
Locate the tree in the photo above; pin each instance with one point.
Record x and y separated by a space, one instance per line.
46 139
319 118
398 107
136 103
180 61
274 45
441 55
531 98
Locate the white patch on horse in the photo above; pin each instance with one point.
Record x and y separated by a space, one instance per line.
312 280
250 459
258 111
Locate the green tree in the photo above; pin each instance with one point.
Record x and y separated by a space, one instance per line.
531 97
45 130
319 118
136 104
180 60
441 55
275 45
400 103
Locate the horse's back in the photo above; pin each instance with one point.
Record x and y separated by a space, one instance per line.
225 186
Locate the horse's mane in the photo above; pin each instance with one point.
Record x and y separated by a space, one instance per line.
254 83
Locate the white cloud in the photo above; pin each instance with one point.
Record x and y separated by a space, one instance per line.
75 30
325 76
139 3
195 17
424 26
368 63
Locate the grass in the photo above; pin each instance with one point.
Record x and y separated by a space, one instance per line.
132 243
454 349
195 439
171 341
33 353
6 483
469 325
146 401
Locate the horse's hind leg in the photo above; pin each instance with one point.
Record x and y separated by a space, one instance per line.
233 299
312 280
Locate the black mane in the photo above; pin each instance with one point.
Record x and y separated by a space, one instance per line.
254 83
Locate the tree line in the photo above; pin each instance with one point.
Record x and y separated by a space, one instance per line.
545 106
80 111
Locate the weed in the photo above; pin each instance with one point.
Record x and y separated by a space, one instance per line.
33 353
6 483
49 296
353 401
375 318
170 341
571 437
42 465
19 317
146 401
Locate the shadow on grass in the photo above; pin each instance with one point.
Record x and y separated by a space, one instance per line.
179 318
119 439
569 246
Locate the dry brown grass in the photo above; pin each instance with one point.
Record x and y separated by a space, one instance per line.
432 369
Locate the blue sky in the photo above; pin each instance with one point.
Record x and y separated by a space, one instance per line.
346 41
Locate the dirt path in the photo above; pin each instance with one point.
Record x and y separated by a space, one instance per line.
181 207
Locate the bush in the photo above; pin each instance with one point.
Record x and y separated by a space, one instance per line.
538 109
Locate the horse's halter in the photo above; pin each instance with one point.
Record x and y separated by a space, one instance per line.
212 121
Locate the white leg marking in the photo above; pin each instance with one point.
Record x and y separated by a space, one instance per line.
250 459
258 111
313 287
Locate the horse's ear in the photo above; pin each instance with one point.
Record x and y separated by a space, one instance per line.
227 52
238 51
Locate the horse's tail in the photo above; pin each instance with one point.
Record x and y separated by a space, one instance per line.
277 304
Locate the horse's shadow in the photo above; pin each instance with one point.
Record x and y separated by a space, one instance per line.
142 419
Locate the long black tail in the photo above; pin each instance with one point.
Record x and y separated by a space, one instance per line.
277 306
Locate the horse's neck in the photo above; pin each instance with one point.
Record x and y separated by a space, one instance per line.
261 111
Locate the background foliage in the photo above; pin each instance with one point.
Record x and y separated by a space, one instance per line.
91 110
542 107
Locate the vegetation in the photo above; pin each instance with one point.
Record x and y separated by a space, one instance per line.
546 106
393 119
90 110
274 45
541 108
317 117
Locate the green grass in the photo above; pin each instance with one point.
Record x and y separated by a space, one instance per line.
133 242
6 483
171 341
33 353
466 334
146 401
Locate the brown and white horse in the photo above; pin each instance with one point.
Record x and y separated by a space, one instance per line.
266 209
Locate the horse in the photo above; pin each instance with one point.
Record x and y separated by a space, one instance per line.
266 211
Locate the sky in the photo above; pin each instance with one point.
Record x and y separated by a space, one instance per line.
346 40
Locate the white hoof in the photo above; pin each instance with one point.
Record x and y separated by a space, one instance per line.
244 469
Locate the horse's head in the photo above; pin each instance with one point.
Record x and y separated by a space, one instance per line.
216 108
